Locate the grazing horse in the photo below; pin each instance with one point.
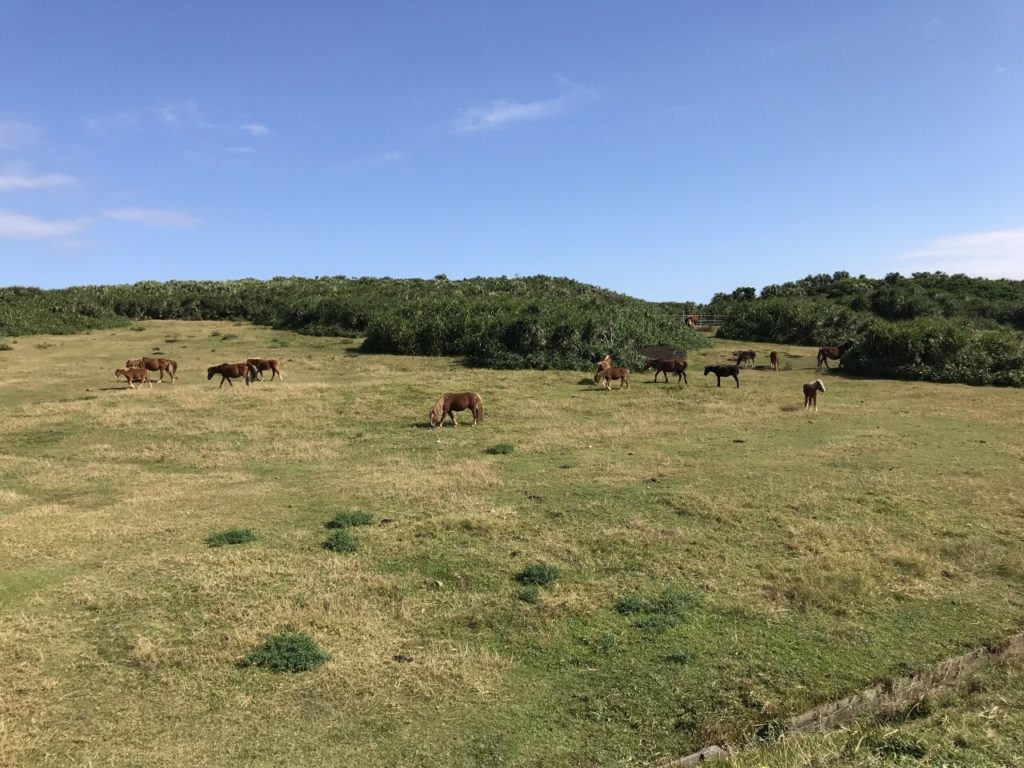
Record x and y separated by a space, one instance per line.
229 371
608 375
660 365
132 374
746 356
693 321
811 393
265 364
833 353
606 363
456 401
155 364
724 370
773 359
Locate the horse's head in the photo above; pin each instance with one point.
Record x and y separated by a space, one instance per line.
212 371
437 412
708 369
133 363
819 385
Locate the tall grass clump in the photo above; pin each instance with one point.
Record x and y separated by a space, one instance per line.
231 536
286 652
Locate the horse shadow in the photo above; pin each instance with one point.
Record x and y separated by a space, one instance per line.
789 408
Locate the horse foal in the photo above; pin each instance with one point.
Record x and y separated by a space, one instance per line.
724 370
607 375
133 374
773 359
811 393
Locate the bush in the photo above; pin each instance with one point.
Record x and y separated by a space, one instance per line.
231 536
539 574
286 652
341 540
500 449
349 519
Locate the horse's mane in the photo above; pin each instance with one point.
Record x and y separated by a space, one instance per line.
437 412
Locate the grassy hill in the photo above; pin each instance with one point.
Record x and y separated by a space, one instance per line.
724 558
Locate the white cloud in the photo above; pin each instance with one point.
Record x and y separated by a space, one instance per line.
13 181
500 113
115 121
22 227
15 134
981 254
255 129
157 217
181 114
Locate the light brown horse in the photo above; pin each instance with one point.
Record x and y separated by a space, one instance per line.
661 365
608 375
229 371
833 353
811 393
155 364
456 401
133 374
604 364
265 364
773 359
746 356
693 321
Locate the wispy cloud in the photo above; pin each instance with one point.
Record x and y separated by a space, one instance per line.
981 254
123 120
15 134
156 217
255 129
21 227
12 181
501 113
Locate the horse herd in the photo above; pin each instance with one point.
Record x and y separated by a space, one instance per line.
137 371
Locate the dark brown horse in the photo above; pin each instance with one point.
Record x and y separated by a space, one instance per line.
133 374
833 353
724 370
773 359
456 401
608 375
660 365
811 393
265 364
746 356
155 364
229 371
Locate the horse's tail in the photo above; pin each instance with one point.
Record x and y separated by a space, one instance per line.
478 412
173 368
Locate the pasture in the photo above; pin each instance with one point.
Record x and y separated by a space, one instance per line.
724 558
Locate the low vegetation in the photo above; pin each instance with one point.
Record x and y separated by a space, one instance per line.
725 560
286 652
231 536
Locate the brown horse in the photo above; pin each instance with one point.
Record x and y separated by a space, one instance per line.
660 365
229 371
155 364
456 401
724 370
811 393
746 356
608 375
604 364
833 353
693 321
132 374
773 359
265 364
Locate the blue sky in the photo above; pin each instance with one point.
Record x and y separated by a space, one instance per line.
667 150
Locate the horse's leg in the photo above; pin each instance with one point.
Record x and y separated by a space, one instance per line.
719 380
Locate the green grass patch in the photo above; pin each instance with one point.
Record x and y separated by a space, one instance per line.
341 540
501 449
286 652
538 574
231 536
348 519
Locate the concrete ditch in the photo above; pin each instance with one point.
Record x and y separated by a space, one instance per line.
898 695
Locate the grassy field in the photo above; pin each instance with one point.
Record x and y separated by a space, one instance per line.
725 558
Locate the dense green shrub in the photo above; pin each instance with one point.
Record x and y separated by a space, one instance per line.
934 349
538 574
286 652
340 540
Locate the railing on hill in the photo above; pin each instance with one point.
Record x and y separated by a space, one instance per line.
704 321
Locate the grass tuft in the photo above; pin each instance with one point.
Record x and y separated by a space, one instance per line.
350 518
341 540
231 536
538 574
500 449
286 652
